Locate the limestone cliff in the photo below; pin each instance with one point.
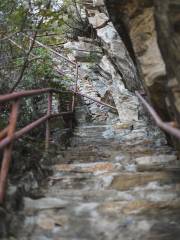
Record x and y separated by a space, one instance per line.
140 40
134 46
106 67
150 30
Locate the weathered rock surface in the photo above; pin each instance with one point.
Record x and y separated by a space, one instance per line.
150 31
118 179
43 203
139 20
108 76
157 162
96 191
83 51
99 79
98 20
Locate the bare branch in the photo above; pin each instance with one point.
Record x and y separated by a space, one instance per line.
9 36
26 58
77 11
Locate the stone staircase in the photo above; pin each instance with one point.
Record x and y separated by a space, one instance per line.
115 182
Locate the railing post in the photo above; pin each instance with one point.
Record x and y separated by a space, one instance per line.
8 150
76 82
77 76
3 133
48 121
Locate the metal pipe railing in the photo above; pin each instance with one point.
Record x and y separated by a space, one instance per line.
51 50
49 111
163 125
9 134
76 86
94 100
29 93
3 133
29 127
8 149
77 74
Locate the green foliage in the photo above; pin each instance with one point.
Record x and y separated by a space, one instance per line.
73 23
93 57
20 16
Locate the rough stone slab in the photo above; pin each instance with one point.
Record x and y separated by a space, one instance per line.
89 167
127 181
155 162
43 203
98 3
82 51
98 20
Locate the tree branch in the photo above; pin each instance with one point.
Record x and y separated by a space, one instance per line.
26 60
25 64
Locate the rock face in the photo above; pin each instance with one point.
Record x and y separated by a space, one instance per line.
139 42
150 31
138 19
96 190
107 71
167 17
119 55
118 178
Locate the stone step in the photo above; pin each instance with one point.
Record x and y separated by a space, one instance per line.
96 167
124 202
153 192
92 130
93 127
84 157
121 147
96 174
85 135
116 153
86 153
31 205
106 188
91 140
128 181
112 220
91 149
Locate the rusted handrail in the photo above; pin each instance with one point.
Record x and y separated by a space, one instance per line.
29 127
76 86
29 93
51 50
9 134
163 125
3 133
8 149
94 100
77 73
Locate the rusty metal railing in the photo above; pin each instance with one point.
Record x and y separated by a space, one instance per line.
9 134
166 126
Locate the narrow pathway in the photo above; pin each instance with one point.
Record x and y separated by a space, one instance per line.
113 183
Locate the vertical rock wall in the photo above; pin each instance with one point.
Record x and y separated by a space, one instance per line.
167 15
152 35
138 19
139 42
110 70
